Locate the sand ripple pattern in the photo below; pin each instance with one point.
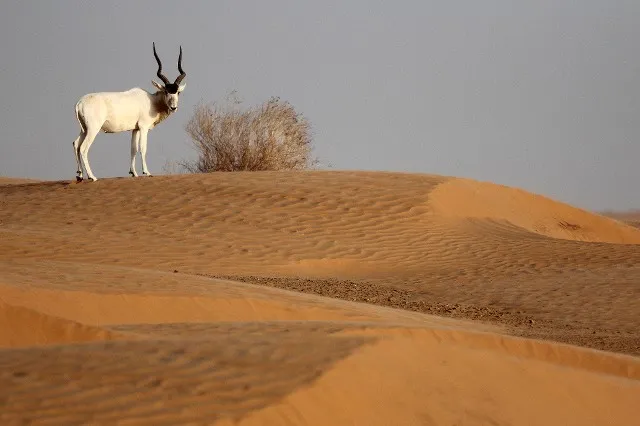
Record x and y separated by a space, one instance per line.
226 375
445 240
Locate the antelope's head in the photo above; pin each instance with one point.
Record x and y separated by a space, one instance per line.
170 91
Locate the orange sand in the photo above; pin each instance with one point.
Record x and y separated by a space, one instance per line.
103 320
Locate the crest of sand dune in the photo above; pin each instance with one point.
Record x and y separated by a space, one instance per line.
25 327
469 199
106 317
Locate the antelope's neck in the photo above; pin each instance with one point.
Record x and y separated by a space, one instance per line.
160 109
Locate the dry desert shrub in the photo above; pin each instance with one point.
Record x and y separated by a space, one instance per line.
271 136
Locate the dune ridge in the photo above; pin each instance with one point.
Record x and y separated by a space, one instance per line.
165 315
237 298
26 327
466 198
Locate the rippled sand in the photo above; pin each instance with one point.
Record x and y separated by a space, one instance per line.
121 303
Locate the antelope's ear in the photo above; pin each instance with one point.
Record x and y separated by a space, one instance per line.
181 87
158 85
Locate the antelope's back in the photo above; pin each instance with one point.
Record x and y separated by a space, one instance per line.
114 111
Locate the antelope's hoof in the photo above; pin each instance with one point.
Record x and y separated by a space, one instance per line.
79 179
93 179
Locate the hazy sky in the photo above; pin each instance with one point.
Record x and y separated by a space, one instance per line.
542 95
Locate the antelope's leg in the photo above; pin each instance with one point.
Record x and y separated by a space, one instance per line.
84 151
76 150
143 151
135 146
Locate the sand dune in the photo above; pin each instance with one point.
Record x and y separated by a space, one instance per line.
465 198
16 181
121 302
631 217
26 327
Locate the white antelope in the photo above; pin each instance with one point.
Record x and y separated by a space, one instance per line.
135 110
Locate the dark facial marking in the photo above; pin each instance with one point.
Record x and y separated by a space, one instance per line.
171 88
